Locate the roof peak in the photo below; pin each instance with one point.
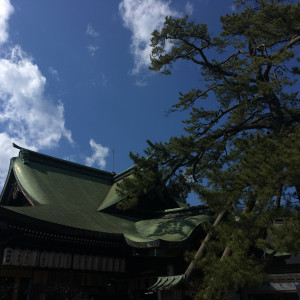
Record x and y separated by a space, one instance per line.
28 156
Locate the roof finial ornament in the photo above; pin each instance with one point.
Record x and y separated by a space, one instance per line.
16 146
23 154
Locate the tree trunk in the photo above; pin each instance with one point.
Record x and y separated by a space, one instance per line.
202 247
247 209
278 198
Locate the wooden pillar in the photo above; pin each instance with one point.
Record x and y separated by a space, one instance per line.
15 293
159 295
29 289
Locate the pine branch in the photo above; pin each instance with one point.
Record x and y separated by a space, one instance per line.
234 55
206 63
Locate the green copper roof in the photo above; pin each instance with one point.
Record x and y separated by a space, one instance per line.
46 184
112 197
75 196
80 218
67 197
168 282
170 229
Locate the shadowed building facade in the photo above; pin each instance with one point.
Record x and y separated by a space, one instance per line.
63 236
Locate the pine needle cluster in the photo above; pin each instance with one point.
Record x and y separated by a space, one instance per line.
244 155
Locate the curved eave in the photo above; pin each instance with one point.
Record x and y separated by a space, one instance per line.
104 226
18 216
168 282
23 190
141 243
168 232
8 182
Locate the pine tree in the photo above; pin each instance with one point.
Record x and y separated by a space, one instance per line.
243 156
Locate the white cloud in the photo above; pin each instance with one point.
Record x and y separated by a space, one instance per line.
142 17
6 9
98 156
26 116
25 112
91 31
54 73
92 49
189 8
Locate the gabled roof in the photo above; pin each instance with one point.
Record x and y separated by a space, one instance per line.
112 197
76 196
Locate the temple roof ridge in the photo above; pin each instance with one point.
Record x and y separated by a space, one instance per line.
28 156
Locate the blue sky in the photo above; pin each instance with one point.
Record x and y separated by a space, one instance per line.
74 78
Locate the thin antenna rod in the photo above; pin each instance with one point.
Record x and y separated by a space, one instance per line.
113 160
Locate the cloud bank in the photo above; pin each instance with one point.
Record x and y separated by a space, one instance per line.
27 116
141 17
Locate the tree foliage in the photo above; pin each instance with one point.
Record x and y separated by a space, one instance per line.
245 153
